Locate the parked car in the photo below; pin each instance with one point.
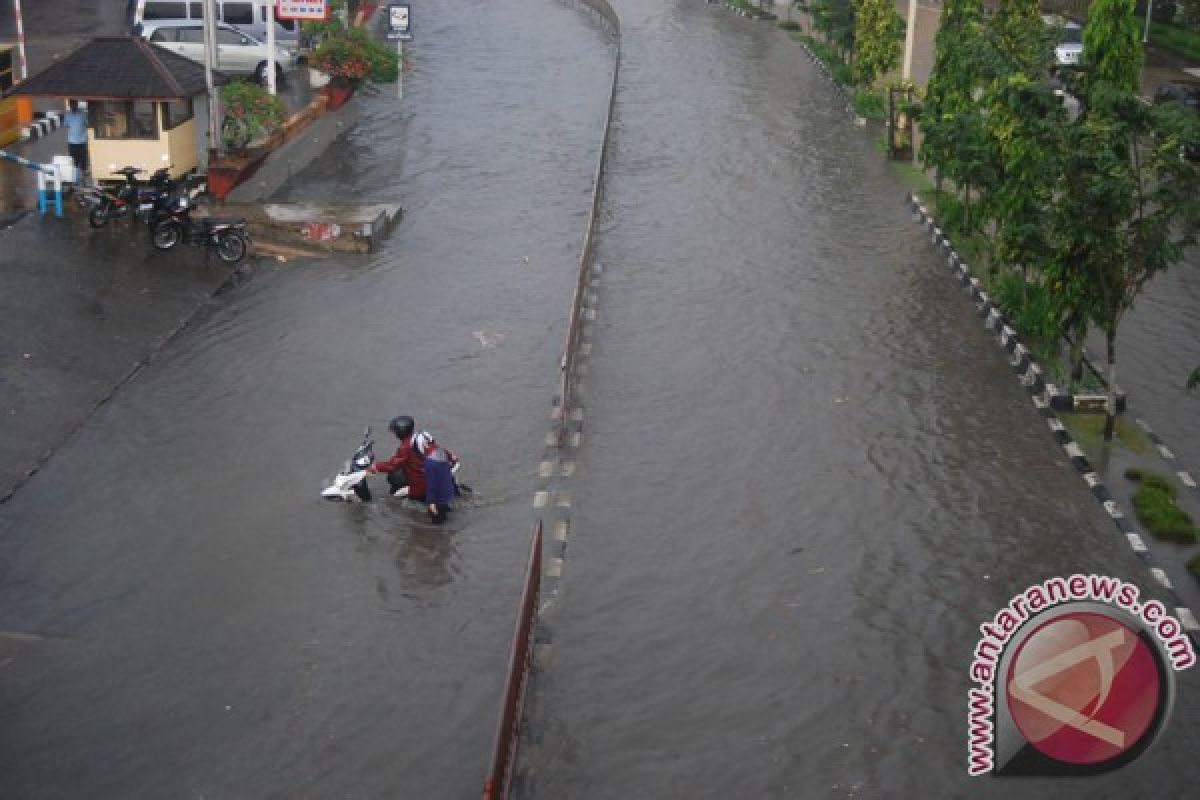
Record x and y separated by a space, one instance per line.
249 16
1187 94
238 53
1070 40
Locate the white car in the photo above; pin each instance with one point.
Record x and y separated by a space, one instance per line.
1070 40
238 53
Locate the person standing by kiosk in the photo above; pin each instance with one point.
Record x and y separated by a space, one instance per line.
76 123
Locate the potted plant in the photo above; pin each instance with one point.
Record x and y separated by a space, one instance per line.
251 113
350 56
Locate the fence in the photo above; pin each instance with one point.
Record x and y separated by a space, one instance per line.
566 389
504 753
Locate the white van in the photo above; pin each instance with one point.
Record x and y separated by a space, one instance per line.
247 15
238 53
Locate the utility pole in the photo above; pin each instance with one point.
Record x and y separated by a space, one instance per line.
271 48
210 58
1149 13
910 36
21 40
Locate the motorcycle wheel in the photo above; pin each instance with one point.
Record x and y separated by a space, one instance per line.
165 235
98 216
231 247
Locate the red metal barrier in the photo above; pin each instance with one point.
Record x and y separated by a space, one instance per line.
504 753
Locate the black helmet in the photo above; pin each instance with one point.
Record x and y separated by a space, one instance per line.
402 427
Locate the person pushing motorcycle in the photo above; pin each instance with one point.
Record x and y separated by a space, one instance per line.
421 469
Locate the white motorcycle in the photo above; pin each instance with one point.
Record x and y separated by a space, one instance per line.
350 485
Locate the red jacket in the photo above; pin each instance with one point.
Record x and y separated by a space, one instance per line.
410 457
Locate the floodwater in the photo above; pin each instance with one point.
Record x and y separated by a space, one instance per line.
197 622
808 473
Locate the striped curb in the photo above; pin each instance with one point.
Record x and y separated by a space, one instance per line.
1184 476
1043 396
45 122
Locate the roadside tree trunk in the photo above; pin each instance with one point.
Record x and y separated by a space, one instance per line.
1110 405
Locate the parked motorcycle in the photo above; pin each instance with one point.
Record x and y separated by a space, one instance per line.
144 202
227 235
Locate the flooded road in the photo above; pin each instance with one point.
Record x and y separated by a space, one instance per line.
1158 346
807 475
194 621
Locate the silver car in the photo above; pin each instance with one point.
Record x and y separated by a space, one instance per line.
238 53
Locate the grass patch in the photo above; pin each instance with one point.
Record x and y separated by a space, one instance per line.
868 104
1088 430
915 178
1154 502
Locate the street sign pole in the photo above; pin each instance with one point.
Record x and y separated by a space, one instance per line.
398 29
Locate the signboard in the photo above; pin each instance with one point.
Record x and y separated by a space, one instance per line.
398 20
302 9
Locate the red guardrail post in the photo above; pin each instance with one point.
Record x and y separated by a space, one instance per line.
504 753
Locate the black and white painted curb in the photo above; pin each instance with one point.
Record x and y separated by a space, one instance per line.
1184 476
43 124
1043 395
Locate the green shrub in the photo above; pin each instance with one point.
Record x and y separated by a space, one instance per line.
950 212
1009 293
868 104
844 74
1153 480
1154 502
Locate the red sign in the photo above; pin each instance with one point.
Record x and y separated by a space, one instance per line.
302 9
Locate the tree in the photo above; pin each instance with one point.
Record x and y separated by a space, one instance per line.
1129 208
1112 46
835 20
1018 40
951 116
1025 126
878 48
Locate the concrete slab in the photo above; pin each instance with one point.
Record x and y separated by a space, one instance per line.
329 227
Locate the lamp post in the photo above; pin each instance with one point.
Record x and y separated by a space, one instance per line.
1149 13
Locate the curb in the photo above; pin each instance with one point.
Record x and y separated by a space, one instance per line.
552 496
1045 396
44 123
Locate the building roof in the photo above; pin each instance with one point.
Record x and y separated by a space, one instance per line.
119 68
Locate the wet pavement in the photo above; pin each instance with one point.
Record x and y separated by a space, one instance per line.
807 474
192 619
